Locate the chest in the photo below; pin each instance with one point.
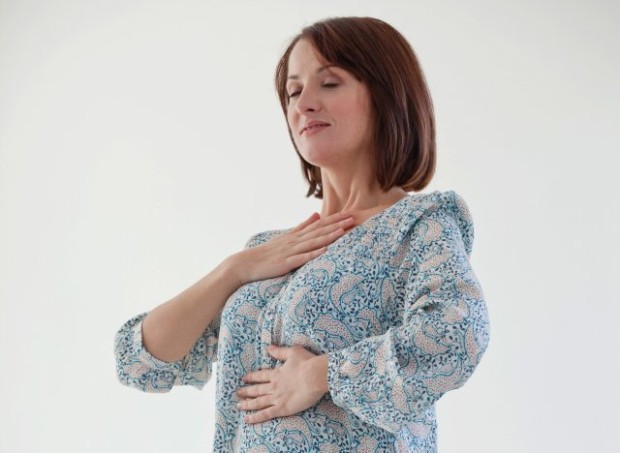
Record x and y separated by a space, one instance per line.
352 291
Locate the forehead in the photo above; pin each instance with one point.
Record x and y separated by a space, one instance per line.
304 57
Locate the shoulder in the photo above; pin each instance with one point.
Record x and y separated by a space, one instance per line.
447 207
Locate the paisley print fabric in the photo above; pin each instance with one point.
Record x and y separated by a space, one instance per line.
394 303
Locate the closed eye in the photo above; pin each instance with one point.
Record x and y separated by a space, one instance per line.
325 85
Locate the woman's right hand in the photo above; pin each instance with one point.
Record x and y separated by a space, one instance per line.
292 249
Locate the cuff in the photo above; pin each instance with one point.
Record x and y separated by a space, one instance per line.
145 356
334 377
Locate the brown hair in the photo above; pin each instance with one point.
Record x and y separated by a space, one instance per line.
404 121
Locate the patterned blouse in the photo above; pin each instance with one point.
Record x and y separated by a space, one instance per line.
395 304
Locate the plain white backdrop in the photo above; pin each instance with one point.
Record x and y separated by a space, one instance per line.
141 142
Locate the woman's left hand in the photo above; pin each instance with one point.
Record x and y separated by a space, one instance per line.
285 390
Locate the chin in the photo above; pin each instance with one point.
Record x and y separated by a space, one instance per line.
320 155
318 158
327 156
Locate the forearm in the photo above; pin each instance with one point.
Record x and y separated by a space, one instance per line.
171 329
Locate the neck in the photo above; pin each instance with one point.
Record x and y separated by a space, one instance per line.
356 196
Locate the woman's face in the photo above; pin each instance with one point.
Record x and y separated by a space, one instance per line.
329 110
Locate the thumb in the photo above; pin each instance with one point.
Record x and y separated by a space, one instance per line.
278 352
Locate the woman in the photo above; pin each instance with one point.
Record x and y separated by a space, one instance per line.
341 333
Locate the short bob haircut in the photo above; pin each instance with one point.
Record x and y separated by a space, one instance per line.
404 122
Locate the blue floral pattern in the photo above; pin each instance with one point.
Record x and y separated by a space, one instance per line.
395 305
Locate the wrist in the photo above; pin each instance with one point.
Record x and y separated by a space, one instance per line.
234 267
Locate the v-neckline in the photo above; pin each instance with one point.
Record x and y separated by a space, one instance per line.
364 225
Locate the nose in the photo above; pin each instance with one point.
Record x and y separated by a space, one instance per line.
308 101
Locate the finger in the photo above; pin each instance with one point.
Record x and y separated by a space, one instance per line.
313 218
262 416
323 232
327 229
325 221
253 391
299 260
254 404
258 376
280 353
311 243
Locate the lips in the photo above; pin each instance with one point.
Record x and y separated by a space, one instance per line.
313 125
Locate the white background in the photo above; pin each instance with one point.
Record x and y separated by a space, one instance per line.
141 142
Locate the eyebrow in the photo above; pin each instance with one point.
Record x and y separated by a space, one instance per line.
322 68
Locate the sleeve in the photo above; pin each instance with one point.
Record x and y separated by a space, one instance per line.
137 368
390 380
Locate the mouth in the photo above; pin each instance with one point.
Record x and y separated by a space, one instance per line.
311 128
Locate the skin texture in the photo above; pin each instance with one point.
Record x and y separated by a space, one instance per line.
291 250
320 92
331 95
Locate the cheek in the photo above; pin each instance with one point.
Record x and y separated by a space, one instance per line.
358 115
363 107
354 108
290 119
364 114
